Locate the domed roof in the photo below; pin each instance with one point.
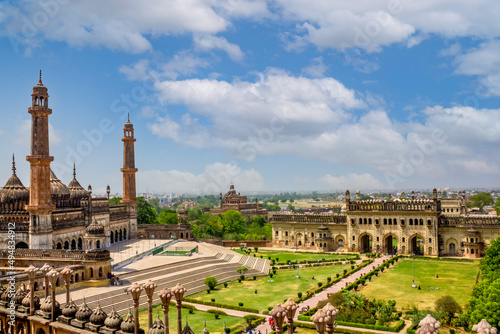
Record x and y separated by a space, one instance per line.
84 312
26 300
157 327
57 188
14 190
95 228
99 316
70 309
128 324
19 296
113 320
47 304
75 189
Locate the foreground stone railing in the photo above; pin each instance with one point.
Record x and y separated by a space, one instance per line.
91 255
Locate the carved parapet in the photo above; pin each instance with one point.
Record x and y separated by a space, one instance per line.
301 218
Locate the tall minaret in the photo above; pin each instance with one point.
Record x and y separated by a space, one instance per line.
40 207
129 170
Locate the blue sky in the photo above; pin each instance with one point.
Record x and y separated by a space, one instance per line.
283 95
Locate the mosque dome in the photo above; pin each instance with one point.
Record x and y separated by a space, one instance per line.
14 195
59 193
95 228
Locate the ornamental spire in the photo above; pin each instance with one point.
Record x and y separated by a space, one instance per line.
13 165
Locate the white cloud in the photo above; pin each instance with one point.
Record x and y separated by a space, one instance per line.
215 178
372 24
352 181
452 50
209 42
138 71
316 69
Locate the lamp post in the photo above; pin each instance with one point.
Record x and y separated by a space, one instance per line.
45 269
108 191
413 269
290 307
320 319
31 271
297 259
331 313
178 292
149 287
165 296
53 276
66 274
278 313
135 290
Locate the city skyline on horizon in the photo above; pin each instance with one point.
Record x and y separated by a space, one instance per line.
271 97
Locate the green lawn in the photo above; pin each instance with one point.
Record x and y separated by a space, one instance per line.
195 320
454 279
285 256
285 285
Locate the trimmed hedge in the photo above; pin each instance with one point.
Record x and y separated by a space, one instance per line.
232 307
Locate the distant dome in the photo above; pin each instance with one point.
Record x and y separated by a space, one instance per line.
59 193
14 195
95 228
77 192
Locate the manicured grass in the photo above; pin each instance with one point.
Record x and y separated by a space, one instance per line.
454 279
285 285
195 320
285 256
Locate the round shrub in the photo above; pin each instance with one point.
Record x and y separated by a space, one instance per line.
271 275
320 284
212 300
254 277
239 280
191 311
240 304
299 294
329 279
225 284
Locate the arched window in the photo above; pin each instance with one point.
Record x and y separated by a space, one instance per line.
385 221
97 244
411 221
73 244
421 221
452 248
121 235
369 221
124 234
66 244
360 220
80 243
472 251
100 271
182 235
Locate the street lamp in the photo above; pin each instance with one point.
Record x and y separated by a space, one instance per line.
413 269
45 269
53 275
178 292
135 290
320 318
165 296
331 313
150 287
278 313
31 271
66 274
290 307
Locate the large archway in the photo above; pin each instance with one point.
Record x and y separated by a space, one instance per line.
80 243
417 245
365 243
21 244
391 245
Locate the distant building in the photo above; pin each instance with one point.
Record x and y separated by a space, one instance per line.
237 202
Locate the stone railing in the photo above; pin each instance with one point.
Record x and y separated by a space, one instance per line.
93 255
302 218
18 227
469 221
397 205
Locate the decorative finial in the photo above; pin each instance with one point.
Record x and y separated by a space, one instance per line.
128 117
74 171
40 79
13 165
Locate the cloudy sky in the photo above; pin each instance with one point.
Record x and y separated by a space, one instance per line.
271 95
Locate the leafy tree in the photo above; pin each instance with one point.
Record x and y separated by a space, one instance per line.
291 207
242 270
448 307
259 221
301 211
497 206
480 200
168 216
146 214
292 200
490 263
115 201
211 282
232 221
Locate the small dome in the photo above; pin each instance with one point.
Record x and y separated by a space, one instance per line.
58 190
14 191
99 316
46 305
26 300
19 296
157 327
113 321
95 228
84 312
70 309
77 192
128 324
187 330
473 231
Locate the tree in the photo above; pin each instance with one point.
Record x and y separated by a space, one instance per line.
232 221
168 216
242 270
448 307
115 201
211 282
480 200
497 206
146 214
291 207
